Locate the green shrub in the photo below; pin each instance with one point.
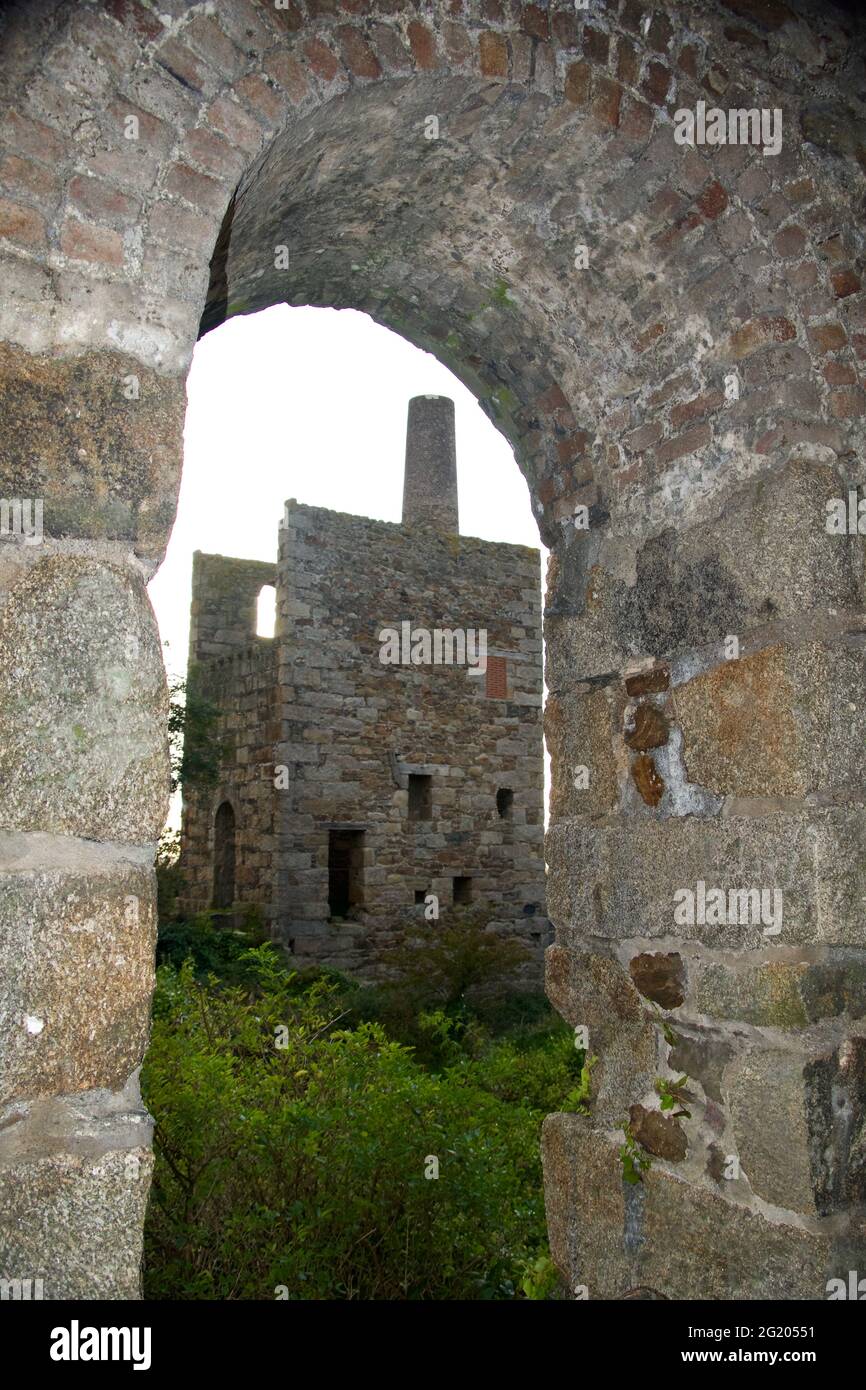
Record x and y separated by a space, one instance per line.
169 877
215 948
303 1166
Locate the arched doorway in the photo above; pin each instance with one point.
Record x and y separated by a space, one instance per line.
672 339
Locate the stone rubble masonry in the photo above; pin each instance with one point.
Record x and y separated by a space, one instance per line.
79 1167
430 476
698 388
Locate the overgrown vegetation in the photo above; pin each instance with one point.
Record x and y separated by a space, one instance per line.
635 1160
297 1115
195 750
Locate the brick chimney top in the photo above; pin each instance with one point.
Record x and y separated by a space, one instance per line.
430 477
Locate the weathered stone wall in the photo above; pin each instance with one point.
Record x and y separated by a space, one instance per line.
223 610
243 688
354 728
236 672
305 128
317 732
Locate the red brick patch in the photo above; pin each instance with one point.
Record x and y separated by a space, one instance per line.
758 333
258 93
687 60
135 17
838 374
847 405
184 66
627 62
180 227
596 45
211 151
649 336
534 21
290 75
31 138
423 45
24 178
713 200
564 26
290 17
321 60
493 55
845 282
694 409
606 101
577 83
21 224
196 188
688 443
82 241
356 52
644 437
655 83
827 337
100 201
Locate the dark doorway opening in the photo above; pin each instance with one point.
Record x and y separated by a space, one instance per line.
345 872
224 856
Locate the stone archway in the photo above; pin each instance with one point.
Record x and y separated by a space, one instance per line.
672 338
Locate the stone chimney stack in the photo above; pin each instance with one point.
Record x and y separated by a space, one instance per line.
430 478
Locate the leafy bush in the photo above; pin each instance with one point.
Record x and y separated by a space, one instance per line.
214 947
195 749
458 963
169 877
302 1166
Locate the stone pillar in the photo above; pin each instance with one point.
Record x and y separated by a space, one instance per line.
713 692
430 480
84 771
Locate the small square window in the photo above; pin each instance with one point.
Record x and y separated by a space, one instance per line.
420 895
462 890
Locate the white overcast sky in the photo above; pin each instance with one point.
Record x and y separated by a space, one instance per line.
311 403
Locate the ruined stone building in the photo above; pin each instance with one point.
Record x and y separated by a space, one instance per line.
384 748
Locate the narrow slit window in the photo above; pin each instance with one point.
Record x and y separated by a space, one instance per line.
420 797
345 872
266 611
505 803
